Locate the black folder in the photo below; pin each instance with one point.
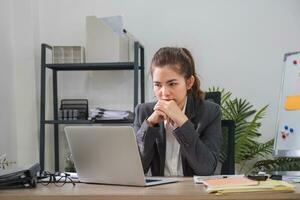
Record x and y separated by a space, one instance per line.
19 176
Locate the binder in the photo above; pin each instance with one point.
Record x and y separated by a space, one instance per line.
19 176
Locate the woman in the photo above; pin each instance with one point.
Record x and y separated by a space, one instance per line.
180 133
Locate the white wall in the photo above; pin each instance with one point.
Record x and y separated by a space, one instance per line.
26 37
238 45
18 118
7 132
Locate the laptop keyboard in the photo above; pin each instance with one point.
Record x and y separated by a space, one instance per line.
150 180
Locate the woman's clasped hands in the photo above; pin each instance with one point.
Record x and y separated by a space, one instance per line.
167 110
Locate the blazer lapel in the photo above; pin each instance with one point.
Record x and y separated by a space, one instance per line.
161 146
190 110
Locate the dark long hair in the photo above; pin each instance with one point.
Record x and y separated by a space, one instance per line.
181 60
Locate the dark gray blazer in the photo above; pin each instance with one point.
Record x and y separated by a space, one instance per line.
199 138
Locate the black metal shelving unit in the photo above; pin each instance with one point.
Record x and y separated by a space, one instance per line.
137 66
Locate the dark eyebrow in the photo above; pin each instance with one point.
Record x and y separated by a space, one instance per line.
169 81
172 80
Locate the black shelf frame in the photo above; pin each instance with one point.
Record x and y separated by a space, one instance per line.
137 66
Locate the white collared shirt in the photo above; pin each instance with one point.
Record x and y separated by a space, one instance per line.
173 164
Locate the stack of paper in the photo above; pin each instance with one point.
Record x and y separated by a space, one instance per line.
291 179
201 179
243 184
105 114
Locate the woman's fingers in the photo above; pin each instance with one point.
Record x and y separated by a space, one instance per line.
172 113
162 114
170 108
162 106
165 117
156 117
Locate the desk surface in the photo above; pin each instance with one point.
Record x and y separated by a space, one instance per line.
185 189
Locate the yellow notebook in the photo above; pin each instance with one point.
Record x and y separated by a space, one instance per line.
243 184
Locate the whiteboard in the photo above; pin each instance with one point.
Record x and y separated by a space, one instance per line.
287 139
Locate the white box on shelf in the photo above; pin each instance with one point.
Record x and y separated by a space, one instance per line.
107 41
68 54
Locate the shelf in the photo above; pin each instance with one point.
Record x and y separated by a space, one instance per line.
138 77
88 121
92 66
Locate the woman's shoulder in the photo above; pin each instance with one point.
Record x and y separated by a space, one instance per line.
207 106
207 111
211 104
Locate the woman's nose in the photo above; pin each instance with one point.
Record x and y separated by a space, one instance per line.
165 91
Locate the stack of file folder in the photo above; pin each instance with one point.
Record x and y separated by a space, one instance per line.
105 114
243 184
19 176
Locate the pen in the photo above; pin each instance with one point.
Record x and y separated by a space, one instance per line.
257 177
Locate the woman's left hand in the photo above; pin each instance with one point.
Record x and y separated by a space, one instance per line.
172 110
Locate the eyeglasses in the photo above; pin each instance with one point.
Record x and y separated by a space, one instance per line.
58 178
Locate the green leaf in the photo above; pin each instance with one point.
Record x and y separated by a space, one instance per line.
277 164
247 131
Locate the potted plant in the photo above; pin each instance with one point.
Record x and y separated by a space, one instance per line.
251 155
4 162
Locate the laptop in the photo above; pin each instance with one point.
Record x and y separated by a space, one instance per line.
108 155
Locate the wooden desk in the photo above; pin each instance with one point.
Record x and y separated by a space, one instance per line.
185 189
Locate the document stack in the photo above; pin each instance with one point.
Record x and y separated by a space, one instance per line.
243 184
105 114
19 177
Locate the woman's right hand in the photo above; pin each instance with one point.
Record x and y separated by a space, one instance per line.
156 117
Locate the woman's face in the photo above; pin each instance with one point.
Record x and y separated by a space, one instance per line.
170 85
